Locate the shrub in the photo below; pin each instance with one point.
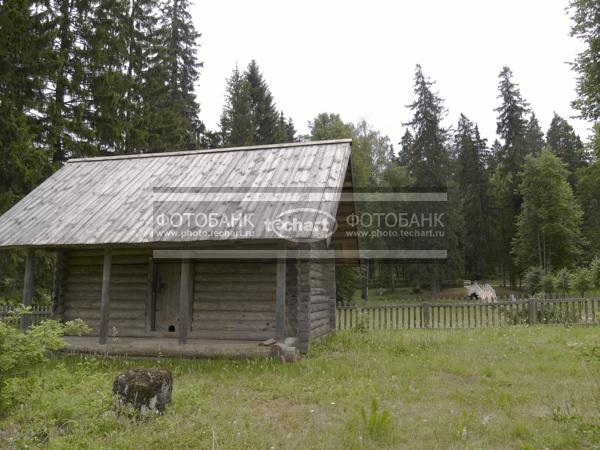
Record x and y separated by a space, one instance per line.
362 322
376 424
21 350
563 280
547 283
581 280
595 271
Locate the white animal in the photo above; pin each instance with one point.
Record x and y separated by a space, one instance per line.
485 293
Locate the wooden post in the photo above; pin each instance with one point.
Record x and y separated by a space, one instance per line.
184 301
280 301
28 286
59 268
532 311
425 313
105 299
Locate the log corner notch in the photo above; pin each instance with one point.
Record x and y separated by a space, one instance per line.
280 313
105 299
28 286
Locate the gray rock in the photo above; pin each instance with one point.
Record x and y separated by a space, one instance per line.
144 390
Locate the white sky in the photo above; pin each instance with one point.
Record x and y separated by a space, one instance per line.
357 58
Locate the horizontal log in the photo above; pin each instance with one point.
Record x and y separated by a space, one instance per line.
255 268
120 288
266 316
115 279
217 297
234 278
318 315
130 251
314 324
234 306
320 331
95 261
232 335
249 283
117 323
233 325
117 296
139 270
93 314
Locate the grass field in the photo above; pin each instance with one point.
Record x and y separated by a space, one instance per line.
516 387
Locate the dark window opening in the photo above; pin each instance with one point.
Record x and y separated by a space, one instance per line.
171 328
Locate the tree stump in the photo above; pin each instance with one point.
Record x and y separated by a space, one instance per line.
144 390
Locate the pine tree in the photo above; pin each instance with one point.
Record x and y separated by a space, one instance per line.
565 144
474 191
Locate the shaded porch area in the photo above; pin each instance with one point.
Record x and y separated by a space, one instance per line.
152 347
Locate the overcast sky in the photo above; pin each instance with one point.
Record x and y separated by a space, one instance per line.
357 58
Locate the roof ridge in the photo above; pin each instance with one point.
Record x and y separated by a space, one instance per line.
215 150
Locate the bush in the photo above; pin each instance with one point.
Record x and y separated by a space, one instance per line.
547 283
21 350
347 280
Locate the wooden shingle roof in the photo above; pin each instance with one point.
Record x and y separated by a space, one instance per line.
110 200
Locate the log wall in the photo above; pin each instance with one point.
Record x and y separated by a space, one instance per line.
82 287
234 300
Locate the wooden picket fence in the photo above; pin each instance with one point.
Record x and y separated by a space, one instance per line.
36 315
473 314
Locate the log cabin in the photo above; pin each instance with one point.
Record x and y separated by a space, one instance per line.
222 289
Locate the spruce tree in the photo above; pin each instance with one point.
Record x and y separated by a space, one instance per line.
429 164
25 44
249 115
171 110
534 136
262 109
474 198
586 26
565 144
512 127
106 41
236 121
428 157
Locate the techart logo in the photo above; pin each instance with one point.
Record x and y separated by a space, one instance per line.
303 225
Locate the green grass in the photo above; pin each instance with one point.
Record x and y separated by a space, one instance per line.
515 387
